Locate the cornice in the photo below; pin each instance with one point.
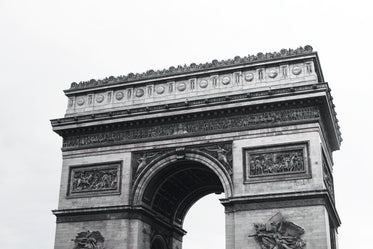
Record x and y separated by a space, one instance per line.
281 200
114 213
79 120
192 68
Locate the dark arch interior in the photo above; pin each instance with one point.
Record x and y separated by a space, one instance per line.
178 186
157 244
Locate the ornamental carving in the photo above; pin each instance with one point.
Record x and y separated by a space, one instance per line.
276 162
194 127
89 240
95 179
221 152
192 68
278 233
327 176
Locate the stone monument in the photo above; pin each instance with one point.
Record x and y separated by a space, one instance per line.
139 150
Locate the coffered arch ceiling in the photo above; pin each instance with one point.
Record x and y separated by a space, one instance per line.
173 190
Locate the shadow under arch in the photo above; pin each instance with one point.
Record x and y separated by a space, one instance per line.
173 182
158 242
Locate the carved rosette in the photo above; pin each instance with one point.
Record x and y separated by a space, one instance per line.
89 240
280 162
278 233
94 179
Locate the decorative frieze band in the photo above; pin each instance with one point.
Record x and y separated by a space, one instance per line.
190 128
193 87
276 163
98 179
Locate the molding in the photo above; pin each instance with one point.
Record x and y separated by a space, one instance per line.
179 106
283 200
115 213
190 127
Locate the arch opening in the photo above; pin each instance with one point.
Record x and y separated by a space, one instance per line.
175 188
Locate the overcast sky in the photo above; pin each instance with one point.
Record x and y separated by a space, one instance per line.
46 45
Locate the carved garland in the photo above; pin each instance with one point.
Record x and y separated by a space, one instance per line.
205 126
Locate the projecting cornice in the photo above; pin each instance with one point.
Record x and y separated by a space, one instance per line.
155 104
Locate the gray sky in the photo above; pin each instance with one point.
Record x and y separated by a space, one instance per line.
46 45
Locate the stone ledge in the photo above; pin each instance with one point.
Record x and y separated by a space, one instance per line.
283 200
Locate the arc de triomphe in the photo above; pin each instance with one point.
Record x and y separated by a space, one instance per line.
139 150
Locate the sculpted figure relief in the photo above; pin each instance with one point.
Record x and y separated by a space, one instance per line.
95 179
278 233
89 240
276 162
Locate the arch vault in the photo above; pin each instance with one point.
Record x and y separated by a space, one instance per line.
139 150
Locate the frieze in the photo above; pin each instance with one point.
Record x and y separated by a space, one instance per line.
94 179
284 53
224 82
194 127
278 233
220 151
89 240
277 162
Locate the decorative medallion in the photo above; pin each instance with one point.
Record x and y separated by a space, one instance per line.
100 98
249 77
119 95
94 179
80 101
280 162
89 240
296 70
181 86
278 233
272 74
203 83
160 89
226 80
140 92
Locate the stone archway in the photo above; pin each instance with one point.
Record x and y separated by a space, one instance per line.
171 183
139 150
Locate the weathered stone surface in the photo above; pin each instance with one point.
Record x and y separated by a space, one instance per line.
140 150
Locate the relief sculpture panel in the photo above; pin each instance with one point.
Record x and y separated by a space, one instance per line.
194 127
94 179
276 162
278 233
